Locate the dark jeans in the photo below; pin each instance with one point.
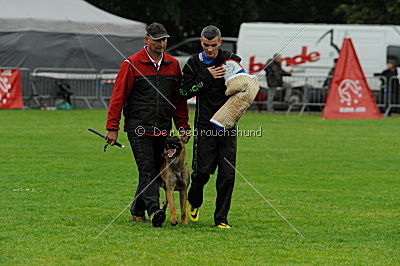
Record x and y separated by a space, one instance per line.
271 96
147 152
209 153
270 99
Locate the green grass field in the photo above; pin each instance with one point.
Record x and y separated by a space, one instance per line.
338 182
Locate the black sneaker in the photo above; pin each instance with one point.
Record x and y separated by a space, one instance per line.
157 218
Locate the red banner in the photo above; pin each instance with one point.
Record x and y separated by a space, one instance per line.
350 96
10 89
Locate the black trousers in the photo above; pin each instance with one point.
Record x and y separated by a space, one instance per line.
147 151
210 152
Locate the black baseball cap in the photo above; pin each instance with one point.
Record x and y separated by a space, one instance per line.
156 31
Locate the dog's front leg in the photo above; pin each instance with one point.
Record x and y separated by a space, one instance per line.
165 203
171 205
183 198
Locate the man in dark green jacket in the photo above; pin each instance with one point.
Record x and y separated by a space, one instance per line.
203 77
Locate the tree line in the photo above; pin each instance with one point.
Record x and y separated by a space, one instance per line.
186 18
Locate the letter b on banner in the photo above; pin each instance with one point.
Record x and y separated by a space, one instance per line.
10 89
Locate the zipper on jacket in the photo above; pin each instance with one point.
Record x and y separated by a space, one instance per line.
158 97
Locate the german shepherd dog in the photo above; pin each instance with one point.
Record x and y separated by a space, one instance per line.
175 177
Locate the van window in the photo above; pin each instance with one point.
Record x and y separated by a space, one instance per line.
186 49
228 46
393 53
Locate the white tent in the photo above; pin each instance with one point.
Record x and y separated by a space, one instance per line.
64 34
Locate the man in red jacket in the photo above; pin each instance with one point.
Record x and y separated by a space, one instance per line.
146 88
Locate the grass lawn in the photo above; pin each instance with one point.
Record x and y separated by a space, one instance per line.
337 181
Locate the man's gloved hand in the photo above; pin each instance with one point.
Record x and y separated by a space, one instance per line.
228 115
236 79
239 83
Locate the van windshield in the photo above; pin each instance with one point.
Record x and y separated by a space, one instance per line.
228 46
393 53
186 49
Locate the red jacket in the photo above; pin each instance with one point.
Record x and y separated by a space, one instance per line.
143 105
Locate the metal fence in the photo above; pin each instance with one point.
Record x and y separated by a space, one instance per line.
301 93
81 82
392 96
107 81
92 89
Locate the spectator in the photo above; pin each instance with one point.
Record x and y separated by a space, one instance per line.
65 92
274 73
328 80
390 84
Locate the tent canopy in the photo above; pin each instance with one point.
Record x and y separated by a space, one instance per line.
70 16
62 34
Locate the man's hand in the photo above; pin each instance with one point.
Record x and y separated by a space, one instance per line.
217 72
111 137
185 135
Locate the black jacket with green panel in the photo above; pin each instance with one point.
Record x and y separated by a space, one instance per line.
210 93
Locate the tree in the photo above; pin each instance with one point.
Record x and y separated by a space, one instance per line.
185 18
370 12
298 11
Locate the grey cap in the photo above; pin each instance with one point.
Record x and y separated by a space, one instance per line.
156 31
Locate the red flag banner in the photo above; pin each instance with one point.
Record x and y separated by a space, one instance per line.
349 95
10 89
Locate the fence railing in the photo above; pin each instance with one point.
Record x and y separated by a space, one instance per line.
81 82
392 95
92 89
301 93
107 80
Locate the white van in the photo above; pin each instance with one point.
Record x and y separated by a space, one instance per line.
312 52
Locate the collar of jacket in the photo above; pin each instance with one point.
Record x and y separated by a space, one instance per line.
143 58
217 60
